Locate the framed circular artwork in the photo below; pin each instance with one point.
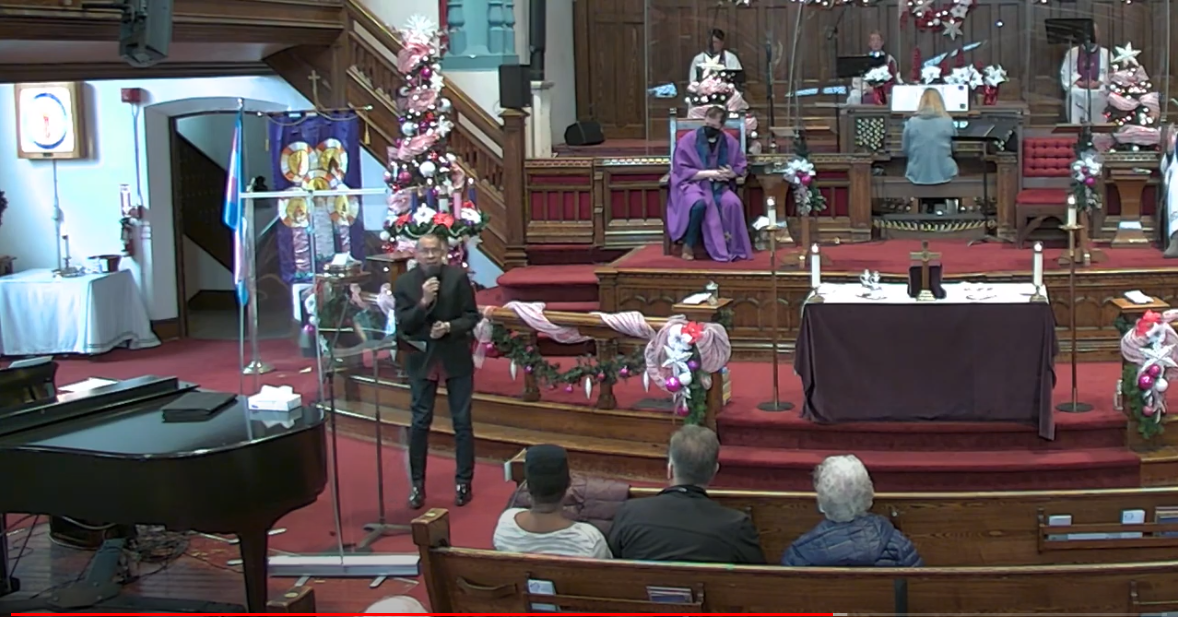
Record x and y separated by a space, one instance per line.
50 121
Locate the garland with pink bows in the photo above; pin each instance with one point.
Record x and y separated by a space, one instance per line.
679 357
1150 349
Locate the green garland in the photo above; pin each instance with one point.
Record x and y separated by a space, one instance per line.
527 357
816 201
1132 399
1086 197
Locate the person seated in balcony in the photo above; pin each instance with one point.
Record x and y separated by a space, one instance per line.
928 144
851 536
682 523
543 528
702 202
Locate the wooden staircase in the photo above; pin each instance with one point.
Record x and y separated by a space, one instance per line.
490 151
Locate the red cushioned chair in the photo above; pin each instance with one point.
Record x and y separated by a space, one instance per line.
1046 181
734 126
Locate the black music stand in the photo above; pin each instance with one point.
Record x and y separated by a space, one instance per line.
850 67
999 133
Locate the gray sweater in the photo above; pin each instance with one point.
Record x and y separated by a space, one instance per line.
928 146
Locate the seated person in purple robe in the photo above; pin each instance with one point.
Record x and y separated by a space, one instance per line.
703 204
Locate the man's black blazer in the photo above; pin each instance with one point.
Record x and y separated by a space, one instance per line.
455 303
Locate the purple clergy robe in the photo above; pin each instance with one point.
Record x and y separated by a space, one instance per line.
725 233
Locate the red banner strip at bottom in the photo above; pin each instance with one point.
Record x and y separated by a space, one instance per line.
397 614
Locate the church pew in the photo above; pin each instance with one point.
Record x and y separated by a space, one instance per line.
483 581
971 529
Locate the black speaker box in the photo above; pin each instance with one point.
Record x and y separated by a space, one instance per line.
586 133
515 86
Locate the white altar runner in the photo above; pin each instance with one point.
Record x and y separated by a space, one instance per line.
90 314
955 293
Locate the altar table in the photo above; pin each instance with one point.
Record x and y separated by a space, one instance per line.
89 314
984 353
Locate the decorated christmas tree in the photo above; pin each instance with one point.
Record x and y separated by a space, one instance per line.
429 191
1132 104
716 88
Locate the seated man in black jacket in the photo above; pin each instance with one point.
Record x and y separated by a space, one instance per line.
682 523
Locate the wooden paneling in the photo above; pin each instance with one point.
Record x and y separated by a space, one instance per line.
612 75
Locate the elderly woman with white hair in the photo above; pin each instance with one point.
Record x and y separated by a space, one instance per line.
851 536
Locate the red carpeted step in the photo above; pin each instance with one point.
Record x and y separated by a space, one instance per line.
577 283
754 428
771 469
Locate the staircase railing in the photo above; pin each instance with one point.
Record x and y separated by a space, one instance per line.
489 151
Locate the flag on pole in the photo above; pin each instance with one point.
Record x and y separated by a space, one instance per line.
233 216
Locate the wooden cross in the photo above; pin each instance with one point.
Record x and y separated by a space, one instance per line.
925 257
314 78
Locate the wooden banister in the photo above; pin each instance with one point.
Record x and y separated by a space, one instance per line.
462 103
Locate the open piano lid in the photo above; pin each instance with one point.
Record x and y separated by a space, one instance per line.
68 406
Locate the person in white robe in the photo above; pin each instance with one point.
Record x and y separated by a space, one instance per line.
718 53
1084 76
875 48
1168 198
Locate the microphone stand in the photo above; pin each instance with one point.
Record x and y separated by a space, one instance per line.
769 91
833 37
381 528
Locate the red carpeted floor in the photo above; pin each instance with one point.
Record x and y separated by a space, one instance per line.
761 450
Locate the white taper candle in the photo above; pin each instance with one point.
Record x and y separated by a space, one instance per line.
815 267
771 211
1037 266
1071 211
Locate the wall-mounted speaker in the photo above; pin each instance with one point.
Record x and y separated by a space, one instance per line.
515 86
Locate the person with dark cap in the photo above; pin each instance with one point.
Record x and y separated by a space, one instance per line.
543 529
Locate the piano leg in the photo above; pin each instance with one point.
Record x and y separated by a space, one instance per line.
254 563
8 584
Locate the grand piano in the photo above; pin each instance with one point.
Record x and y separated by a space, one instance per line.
109 455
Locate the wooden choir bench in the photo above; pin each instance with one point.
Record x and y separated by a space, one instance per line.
1006 528
483 581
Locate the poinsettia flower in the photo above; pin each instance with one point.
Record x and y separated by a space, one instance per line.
693 331
402 220
470 214
1147 321
445 219
424 215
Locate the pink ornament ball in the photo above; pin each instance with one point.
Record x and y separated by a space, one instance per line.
1154 370
673 384
488 346
1090 181
805 180
426 72
404 177
681 411
1147 411
624 372
568 388
528 370
309 329
693 365
601 377
1145 381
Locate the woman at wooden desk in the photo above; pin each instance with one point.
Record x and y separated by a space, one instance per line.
928 144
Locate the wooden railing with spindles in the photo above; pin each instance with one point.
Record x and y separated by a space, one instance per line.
490 151
608 343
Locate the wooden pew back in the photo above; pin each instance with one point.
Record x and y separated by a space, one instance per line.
482 581
996 528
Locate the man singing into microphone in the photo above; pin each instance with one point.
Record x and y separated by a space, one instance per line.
436 313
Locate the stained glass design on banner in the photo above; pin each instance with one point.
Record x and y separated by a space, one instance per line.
317 153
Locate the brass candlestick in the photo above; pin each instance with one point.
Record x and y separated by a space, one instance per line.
776 404
1074 405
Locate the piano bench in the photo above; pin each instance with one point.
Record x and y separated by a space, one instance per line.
1029 217
295 600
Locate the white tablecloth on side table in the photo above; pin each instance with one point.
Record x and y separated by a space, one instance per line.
90 314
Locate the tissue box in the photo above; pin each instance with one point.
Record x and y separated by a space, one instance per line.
275 399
